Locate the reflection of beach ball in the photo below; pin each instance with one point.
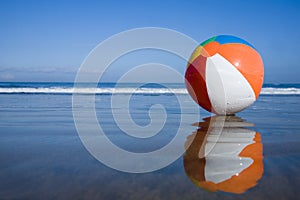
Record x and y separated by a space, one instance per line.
228 159
224 74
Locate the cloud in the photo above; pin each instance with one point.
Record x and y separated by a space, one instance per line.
37 74
38 69
7 76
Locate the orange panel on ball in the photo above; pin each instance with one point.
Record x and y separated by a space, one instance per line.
247 61
210 49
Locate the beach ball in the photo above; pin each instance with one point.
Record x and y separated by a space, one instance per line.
224 74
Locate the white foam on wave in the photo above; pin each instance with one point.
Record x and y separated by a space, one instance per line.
280 91
60 90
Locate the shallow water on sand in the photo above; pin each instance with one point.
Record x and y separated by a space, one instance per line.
42 157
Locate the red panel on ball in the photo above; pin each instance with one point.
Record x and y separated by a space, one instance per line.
195 82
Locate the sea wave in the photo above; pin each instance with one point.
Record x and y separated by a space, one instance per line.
93 90
142 91
280 91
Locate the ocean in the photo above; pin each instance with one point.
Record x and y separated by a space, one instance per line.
254 155
124 88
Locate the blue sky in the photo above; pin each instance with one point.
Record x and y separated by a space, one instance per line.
48 40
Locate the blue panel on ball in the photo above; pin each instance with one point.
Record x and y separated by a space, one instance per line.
224 39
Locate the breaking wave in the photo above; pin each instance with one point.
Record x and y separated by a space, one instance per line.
129 90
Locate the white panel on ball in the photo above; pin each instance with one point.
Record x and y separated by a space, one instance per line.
228 90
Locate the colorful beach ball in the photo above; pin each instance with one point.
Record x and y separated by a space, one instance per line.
224 74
